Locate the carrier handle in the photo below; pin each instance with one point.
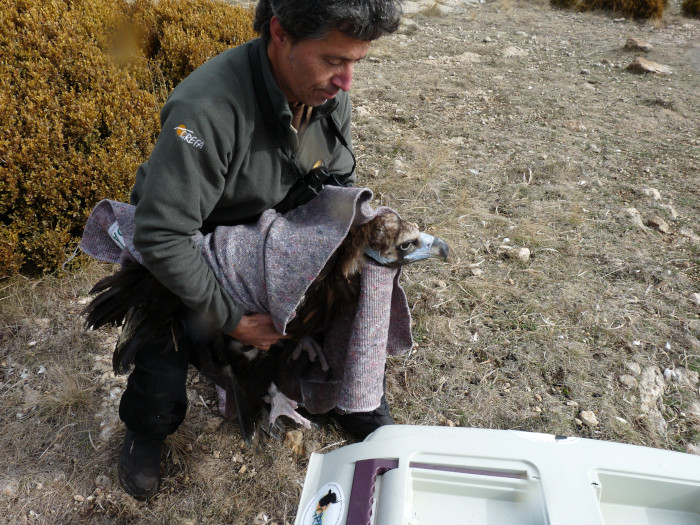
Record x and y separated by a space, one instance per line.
362 492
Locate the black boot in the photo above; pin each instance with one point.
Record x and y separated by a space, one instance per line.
362 424
139 465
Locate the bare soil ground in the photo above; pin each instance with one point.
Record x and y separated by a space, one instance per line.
505 125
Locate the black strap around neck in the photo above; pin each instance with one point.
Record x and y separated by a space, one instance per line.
272 121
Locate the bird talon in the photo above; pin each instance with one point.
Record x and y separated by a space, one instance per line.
314 350
281 405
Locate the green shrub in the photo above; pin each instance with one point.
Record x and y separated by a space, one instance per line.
564 4
643 9
691 8
81 85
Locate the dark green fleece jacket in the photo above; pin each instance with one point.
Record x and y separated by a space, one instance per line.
215 162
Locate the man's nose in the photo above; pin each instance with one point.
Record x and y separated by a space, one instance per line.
343 79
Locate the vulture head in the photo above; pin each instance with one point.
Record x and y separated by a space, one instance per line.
395 242
390 241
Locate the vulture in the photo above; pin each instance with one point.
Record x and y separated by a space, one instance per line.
135 300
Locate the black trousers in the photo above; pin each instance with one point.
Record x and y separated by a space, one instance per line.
155 400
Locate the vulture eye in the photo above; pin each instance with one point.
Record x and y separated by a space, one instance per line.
405 246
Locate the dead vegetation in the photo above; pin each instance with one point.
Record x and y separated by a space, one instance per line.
508 125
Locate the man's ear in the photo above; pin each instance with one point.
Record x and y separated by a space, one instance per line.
278 34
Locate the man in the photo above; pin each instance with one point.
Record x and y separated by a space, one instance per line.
236 135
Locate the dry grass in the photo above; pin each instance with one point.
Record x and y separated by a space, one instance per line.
547 150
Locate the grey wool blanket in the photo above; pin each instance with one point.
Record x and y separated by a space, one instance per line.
268 266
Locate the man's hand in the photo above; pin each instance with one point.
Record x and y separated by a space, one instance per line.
257 330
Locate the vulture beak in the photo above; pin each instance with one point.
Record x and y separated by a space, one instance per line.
430 247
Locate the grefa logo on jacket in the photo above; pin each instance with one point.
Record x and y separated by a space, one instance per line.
187 135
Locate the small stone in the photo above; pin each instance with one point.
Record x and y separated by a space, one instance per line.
261 519
294 440
78 498
695 298
633 367
575 125
361 112
685 232
10 489
445 421
634 44
669 209
513 51
628 381
521 254
694 412
538 409
571 404
216 454
692 448
642 65
243 469
636 218
213 425
658 224
408 27
467 58
588 418
653 193
103 482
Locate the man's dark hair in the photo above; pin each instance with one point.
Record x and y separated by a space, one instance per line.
314 19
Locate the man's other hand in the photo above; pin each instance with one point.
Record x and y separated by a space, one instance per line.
257 330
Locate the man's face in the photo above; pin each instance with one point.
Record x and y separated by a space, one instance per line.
312 71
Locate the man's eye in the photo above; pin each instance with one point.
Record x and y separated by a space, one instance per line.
334 62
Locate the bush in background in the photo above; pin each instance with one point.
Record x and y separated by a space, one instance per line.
81 85
691 8
564 4
643 9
